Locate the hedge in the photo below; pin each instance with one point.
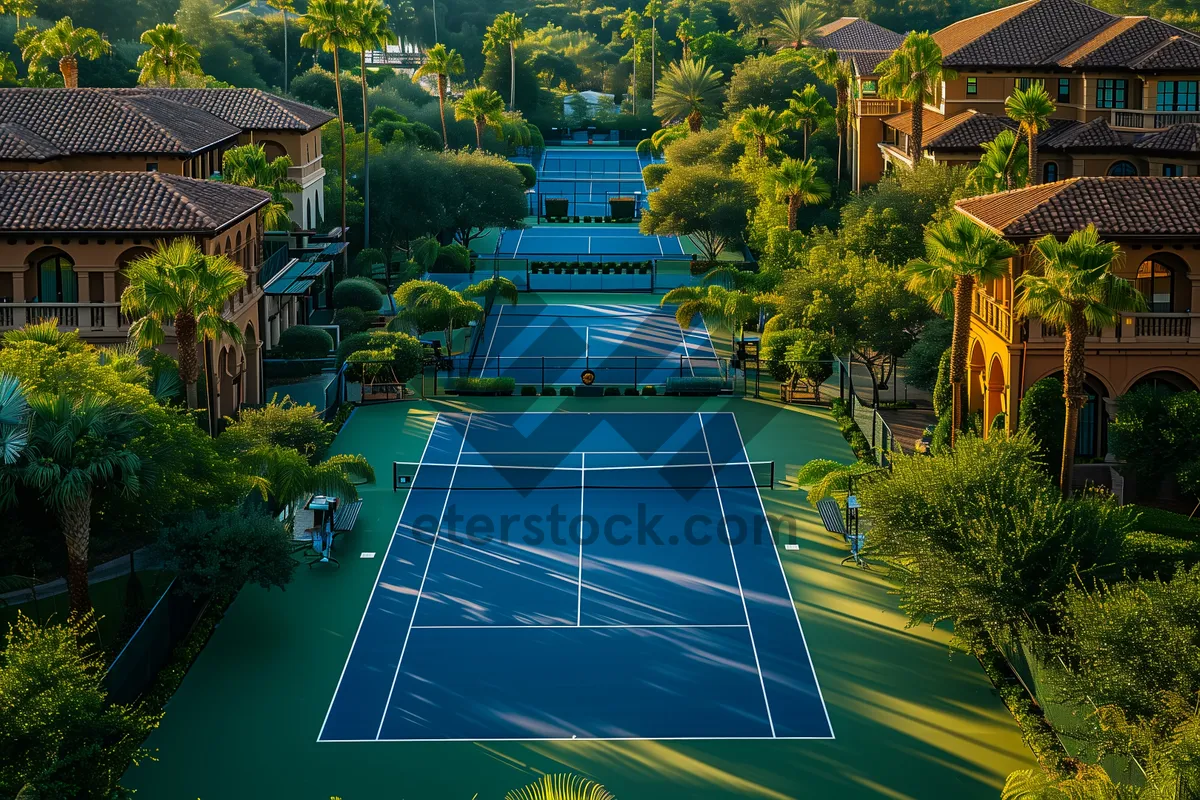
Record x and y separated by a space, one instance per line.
360 293
452 258
677 385
528 174
502 386
350 319
305 341
653 175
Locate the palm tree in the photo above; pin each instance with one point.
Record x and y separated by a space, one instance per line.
998 169
77 447
495 286
369 28
178 284
484 107
796 24
914 73
14 435
724 308
685 33
808 111
631 29
653 9
506 31
835 72
168 58
561 787
442 63
283 476
329 25
796 183
8 70
284 6
66 44
1031 109
424 299
1076 291
18 8
760 125
958 255
247 165
689 90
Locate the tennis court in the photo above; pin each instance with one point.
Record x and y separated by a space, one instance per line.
580 576
588 181
624 345
603 242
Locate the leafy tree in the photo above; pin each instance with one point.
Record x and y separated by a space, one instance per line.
483 191
78 448
759 126
689 90
411 187
767 80
494 287
178 284
430 305
754 15
1076 291
715 147
980 539
912 74
1031 109
168 58
282 423
835 72
8 70
64 43
703 203
1043 418
442 64
59 734
796 183
404 352
506 31
720 49
959 255
1003 165
247 165
215 555
1156 433
685 33
369 31
482 107
921 363
18 8
796 24
795 355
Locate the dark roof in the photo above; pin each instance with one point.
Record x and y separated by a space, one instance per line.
1184 138
1138 207
1177 53
21 144
967 131
248 109
865 62
1094 135
46 201
1127 42
1033 33
853 33
91 121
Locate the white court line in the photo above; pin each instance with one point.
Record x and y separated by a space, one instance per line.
573 627
582 482
517 249
437 419
606 739
582 452
661 252
587 341
573 469
683 338
737 575
491 340
421 588
812 668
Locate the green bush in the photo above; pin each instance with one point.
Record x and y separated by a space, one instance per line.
612 391
653 174
1168 523
403 353
528 174
529 391
351 320
923 359
943 392
217 554
548 391
1043 416
453 258
631 391
798 354
358 292
556 208
998 423
1147 554
365 260
305 341
567 391
1156 434
703 386
649 391
850 430
501 386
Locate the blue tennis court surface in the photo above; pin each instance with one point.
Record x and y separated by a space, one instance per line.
607 242
580 576
625 345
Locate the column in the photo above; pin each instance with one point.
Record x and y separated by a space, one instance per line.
85 287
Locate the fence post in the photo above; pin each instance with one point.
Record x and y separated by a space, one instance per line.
635 358
543 373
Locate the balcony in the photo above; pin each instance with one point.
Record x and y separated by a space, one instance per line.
306 173
994 314
877 107
96 318
1151 120
1147 328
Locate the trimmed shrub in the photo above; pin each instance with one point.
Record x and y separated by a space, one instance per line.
567 391
653 175
556 208
697 386
404 353
501 386
548 391
350 319
528 174
612 391
1043 415
631 391
943 393
529 391
358 292
365 259
305 341
649 391
923 358
453 258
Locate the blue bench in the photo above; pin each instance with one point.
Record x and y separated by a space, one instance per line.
831 517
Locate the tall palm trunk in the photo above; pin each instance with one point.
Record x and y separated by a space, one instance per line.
1034 175
337 85
917 140
189 364
653 55
479 133
635 77
695 119
69 67
76 521
793 210
1075 337
843 121
441 84
964 288
761 141
512 76
805 128
362 68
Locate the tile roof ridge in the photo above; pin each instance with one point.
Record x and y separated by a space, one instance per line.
128 102
1006 12
168 182
1163 45
1080 48
987 200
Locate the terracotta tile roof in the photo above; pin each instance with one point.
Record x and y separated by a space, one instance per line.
248 109
88 121
1092 135
1033 33
46 201
1184 138
1140 207
1127 42
1179 52
18 143
903 122
853 33
965 131
1117 29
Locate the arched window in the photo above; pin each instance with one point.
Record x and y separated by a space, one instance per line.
1155 281
1050 172
1122 169
57 282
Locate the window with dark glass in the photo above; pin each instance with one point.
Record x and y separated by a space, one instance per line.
1122 169
56 280
1172 170
1112 93
151 166
1154 282
972 85
1177 95
1026 83
1064 90
1049 172
870 88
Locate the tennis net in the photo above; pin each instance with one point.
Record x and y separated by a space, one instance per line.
413 475
590 177
588 312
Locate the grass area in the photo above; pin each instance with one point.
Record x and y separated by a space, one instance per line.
910 721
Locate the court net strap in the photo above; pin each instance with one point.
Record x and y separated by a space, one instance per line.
523 477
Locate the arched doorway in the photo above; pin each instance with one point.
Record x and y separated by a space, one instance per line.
51 277
1162 280
975 378
997 388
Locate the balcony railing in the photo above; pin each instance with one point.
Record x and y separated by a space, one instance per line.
87 317
1151 120
1147 328
302 173
993 314
877 107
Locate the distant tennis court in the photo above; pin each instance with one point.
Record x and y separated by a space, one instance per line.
606 242
589 180
622 345
580 576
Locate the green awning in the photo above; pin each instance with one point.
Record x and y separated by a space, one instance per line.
296 278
